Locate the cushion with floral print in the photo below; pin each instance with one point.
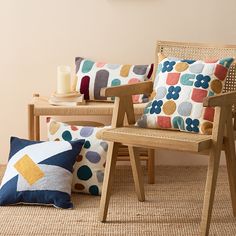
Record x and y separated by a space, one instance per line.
92 76
88 170
179 89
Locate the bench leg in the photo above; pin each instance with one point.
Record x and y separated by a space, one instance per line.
108 179
137 173
37 128
31 121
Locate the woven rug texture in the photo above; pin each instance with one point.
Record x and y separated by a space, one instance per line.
173 207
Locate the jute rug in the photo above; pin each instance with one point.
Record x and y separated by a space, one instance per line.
173 207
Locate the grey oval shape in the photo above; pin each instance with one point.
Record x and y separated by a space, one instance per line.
140 69
101 80
93 157
104 146
100 176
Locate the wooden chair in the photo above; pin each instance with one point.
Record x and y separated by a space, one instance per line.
211 145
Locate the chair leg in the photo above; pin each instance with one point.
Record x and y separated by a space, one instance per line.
231 161
212 172
231 168
108 179
137 173
151 166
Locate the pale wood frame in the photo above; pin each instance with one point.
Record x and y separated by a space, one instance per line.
221 138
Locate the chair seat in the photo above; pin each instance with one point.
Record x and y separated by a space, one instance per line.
153 138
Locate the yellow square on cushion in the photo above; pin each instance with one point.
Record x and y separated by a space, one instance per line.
28 169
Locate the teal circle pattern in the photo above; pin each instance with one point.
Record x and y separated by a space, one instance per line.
115 82
66 135
84 173
93 189
87 144
87 66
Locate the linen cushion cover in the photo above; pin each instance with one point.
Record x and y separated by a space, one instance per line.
39 173
180 87
92 76
90 164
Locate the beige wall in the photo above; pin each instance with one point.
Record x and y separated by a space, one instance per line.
36 36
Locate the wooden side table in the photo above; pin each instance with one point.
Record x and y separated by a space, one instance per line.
40 107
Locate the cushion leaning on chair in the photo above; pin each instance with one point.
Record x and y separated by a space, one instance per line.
39 173
180 87
88 169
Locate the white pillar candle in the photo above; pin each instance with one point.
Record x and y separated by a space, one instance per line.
63 79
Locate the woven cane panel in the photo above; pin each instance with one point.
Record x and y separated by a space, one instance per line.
202 52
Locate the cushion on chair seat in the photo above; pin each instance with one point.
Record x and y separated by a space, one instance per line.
180 87
167 139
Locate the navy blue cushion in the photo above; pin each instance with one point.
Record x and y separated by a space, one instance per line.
39 172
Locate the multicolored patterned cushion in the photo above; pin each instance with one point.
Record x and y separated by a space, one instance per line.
180 87
39 173
92 76
90 164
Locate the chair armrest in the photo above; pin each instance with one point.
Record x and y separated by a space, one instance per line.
223 99
128 90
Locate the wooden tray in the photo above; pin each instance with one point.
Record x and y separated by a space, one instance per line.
66 95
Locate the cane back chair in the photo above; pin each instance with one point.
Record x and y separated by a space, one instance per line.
222 137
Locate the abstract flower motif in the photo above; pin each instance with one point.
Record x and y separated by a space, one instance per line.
173 92
202 81
168 66
156 107
192 125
